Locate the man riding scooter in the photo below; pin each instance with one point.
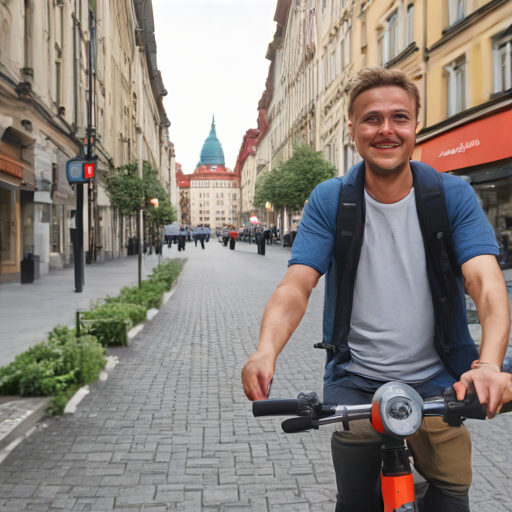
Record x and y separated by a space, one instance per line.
399 243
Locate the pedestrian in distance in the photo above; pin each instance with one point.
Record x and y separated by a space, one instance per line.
200 235
394 300
260 240
266 235
232 239
182 239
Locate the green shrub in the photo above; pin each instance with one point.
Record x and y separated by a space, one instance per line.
109 322
53 366
149 295
167 271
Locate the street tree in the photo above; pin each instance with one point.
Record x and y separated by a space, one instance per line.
290 184
129 194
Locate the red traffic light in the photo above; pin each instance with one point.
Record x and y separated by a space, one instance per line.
88 171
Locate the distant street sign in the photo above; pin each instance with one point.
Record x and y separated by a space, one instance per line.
79 170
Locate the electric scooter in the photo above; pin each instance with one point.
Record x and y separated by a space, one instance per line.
396 411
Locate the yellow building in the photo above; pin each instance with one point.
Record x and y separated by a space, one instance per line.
469 103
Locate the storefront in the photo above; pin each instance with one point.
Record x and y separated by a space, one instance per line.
12 212
482 150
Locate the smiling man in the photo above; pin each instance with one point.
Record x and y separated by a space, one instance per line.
394 296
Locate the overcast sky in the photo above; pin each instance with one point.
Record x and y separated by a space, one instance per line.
212 57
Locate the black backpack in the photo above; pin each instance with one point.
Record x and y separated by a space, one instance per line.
444 274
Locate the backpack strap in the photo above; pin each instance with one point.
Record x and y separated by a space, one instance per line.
435 227
347 249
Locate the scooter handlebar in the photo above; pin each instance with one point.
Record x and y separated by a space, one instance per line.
277 407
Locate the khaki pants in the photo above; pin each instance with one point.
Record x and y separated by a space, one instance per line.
442 454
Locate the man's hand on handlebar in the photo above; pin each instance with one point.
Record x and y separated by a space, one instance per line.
257 375
493 387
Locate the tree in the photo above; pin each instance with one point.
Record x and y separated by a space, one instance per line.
129 194
125 190
291 183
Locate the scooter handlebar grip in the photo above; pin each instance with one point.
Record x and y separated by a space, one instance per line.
277 407
300 424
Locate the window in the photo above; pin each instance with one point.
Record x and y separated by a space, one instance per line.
348 47
58 75
351 157
409 25
502 55
334 71
388 44
457 100
456 10
234 196
27 34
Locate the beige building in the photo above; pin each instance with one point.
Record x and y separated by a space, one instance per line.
211 194
43 118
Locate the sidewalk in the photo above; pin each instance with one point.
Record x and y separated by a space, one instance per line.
28 312
171 430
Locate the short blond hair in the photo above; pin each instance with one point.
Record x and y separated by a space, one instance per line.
371 77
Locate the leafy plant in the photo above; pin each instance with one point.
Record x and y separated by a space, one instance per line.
53 366
109 322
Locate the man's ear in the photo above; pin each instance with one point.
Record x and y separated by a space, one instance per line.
350 128
417 126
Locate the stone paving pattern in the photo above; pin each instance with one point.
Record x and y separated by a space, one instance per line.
171 430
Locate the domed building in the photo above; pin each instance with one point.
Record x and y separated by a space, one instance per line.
214 189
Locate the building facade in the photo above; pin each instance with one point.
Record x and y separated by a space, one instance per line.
458 52
44 66
469 104
211 194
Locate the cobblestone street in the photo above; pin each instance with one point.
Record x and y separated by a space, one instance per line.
171 430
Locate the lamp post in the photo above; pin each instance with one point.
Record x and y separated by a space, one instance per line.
268 207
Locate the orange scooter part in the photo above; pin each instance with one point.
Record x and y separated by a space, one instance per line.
397 491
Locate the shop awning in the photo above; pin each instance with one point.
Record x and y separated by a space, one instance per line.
475 143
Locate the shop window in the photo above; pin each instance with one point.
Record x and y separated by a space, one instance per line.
388 39
502 61
496 200
456 10
457 96
8 226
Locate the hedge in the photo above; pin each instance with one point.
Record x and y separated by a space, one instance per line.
111 321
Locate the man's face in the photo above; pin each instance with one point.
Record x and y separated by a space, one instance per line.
383 126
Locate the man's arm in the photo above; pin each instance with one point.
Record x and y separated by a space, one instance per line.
281 317
485 284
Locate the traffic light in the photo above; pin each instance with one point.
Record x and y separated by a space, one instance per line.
79 170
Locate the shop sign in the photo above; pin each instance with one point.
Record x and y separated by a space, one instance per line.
479 142
460 149
11 166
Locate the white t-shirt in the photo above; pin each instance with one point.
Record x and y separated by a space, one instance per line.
392 325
